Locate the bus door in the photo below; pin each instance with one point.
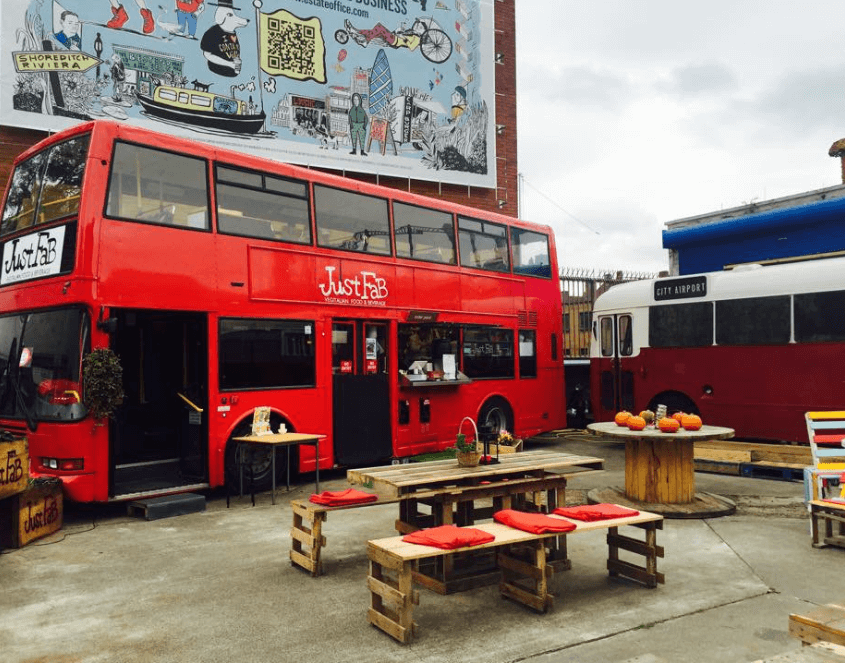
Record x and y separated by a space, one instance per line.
160 432
361 392
617 379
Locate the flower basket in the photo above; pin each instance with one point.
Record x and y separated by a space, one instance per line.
468 458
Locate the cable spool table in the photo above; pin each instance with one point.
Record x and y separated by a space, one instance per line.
660 472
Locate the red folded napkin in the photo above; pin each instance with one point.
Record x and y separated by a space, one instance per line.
536 523
449 537
340 497
595 512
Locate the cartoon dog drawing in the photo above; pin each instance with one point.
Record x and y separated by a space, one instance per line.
220 44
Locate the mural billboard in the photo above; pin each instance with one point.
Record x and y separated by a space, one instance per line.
394 87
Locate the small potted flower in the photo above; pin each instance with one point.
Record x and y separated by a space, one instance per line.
466 452
506 442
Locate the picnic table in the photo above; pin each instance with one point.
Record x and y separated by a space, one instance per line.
441 492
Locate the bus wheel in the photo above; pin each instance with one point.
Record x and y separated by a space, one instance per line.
674 402
257 459
496 414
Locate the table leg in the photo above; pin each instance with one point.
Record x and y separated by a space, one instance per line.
287 468
240 455
273 494
317 463
252 478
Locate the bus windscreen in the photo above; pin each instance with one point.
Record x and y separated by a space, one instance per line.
46 187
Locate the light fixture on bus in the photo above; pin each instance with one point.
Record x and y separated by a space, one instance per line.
63 464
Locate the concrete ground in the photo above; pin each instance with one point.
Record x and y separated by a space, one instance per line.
217 586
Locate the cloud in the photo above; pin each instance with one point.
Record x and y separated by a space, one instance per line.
699 79
804 101
581 87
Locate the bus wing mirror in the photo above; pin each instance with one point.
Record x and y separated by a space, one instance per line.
109 325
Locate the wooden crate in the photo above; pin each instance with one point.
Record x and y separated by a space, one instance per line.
32 514
496 449
14 467
824 624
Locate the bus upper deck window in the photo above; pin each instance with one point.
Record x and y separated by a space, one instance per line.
626 345
606 337
154 186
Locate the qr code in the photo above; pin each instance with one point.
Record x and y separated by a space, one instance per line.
291 47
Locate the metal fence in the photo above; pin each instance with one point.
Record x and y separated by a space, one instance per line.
579 290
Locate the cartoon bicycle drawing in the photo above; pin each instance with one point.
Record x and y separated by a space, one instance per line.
433 42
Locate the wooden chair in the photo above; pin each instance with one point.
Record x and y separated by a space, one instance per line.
826 434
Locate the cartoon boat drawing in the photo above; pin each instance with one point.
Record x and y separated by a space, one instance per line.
203 108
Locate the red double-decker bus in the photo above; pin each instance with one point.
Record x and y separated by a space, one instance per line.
224 282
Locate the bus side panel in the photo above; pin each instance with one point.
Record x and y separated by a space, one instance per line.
783 382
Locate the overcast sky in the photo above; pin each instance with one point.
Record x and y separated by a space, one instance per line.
633 113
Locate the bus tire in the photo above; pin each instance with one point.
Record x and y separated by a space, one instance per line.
497 413
674 401
260 458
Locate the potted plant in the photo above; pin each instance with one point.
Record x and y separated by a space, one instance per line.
507 443
466 452
102 382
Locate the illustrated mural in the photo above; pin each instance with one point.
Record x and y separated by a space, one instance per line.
394 87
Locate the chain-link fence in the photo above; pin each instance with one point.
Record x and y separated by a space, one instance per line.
579 290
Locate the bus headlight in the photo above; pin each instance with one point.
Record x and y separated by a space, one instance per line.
63 464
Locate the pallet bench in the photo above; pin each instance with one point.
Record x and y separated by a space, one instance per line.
521 556
827 523
307 531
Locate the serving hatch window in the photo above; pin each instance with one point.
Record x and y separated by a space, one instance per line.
47 186
158 187
488 352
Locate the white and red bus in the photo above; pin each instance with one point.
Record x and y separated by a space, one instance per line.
752 348
225 282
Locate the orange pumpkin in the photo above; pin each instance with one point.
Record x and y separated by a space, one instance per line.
668 425
636 423
677 416
691 422
621 417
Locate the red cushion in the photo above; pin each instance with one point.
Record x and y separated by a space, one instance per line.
536 523
834 440
340 497
449 537
596 512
